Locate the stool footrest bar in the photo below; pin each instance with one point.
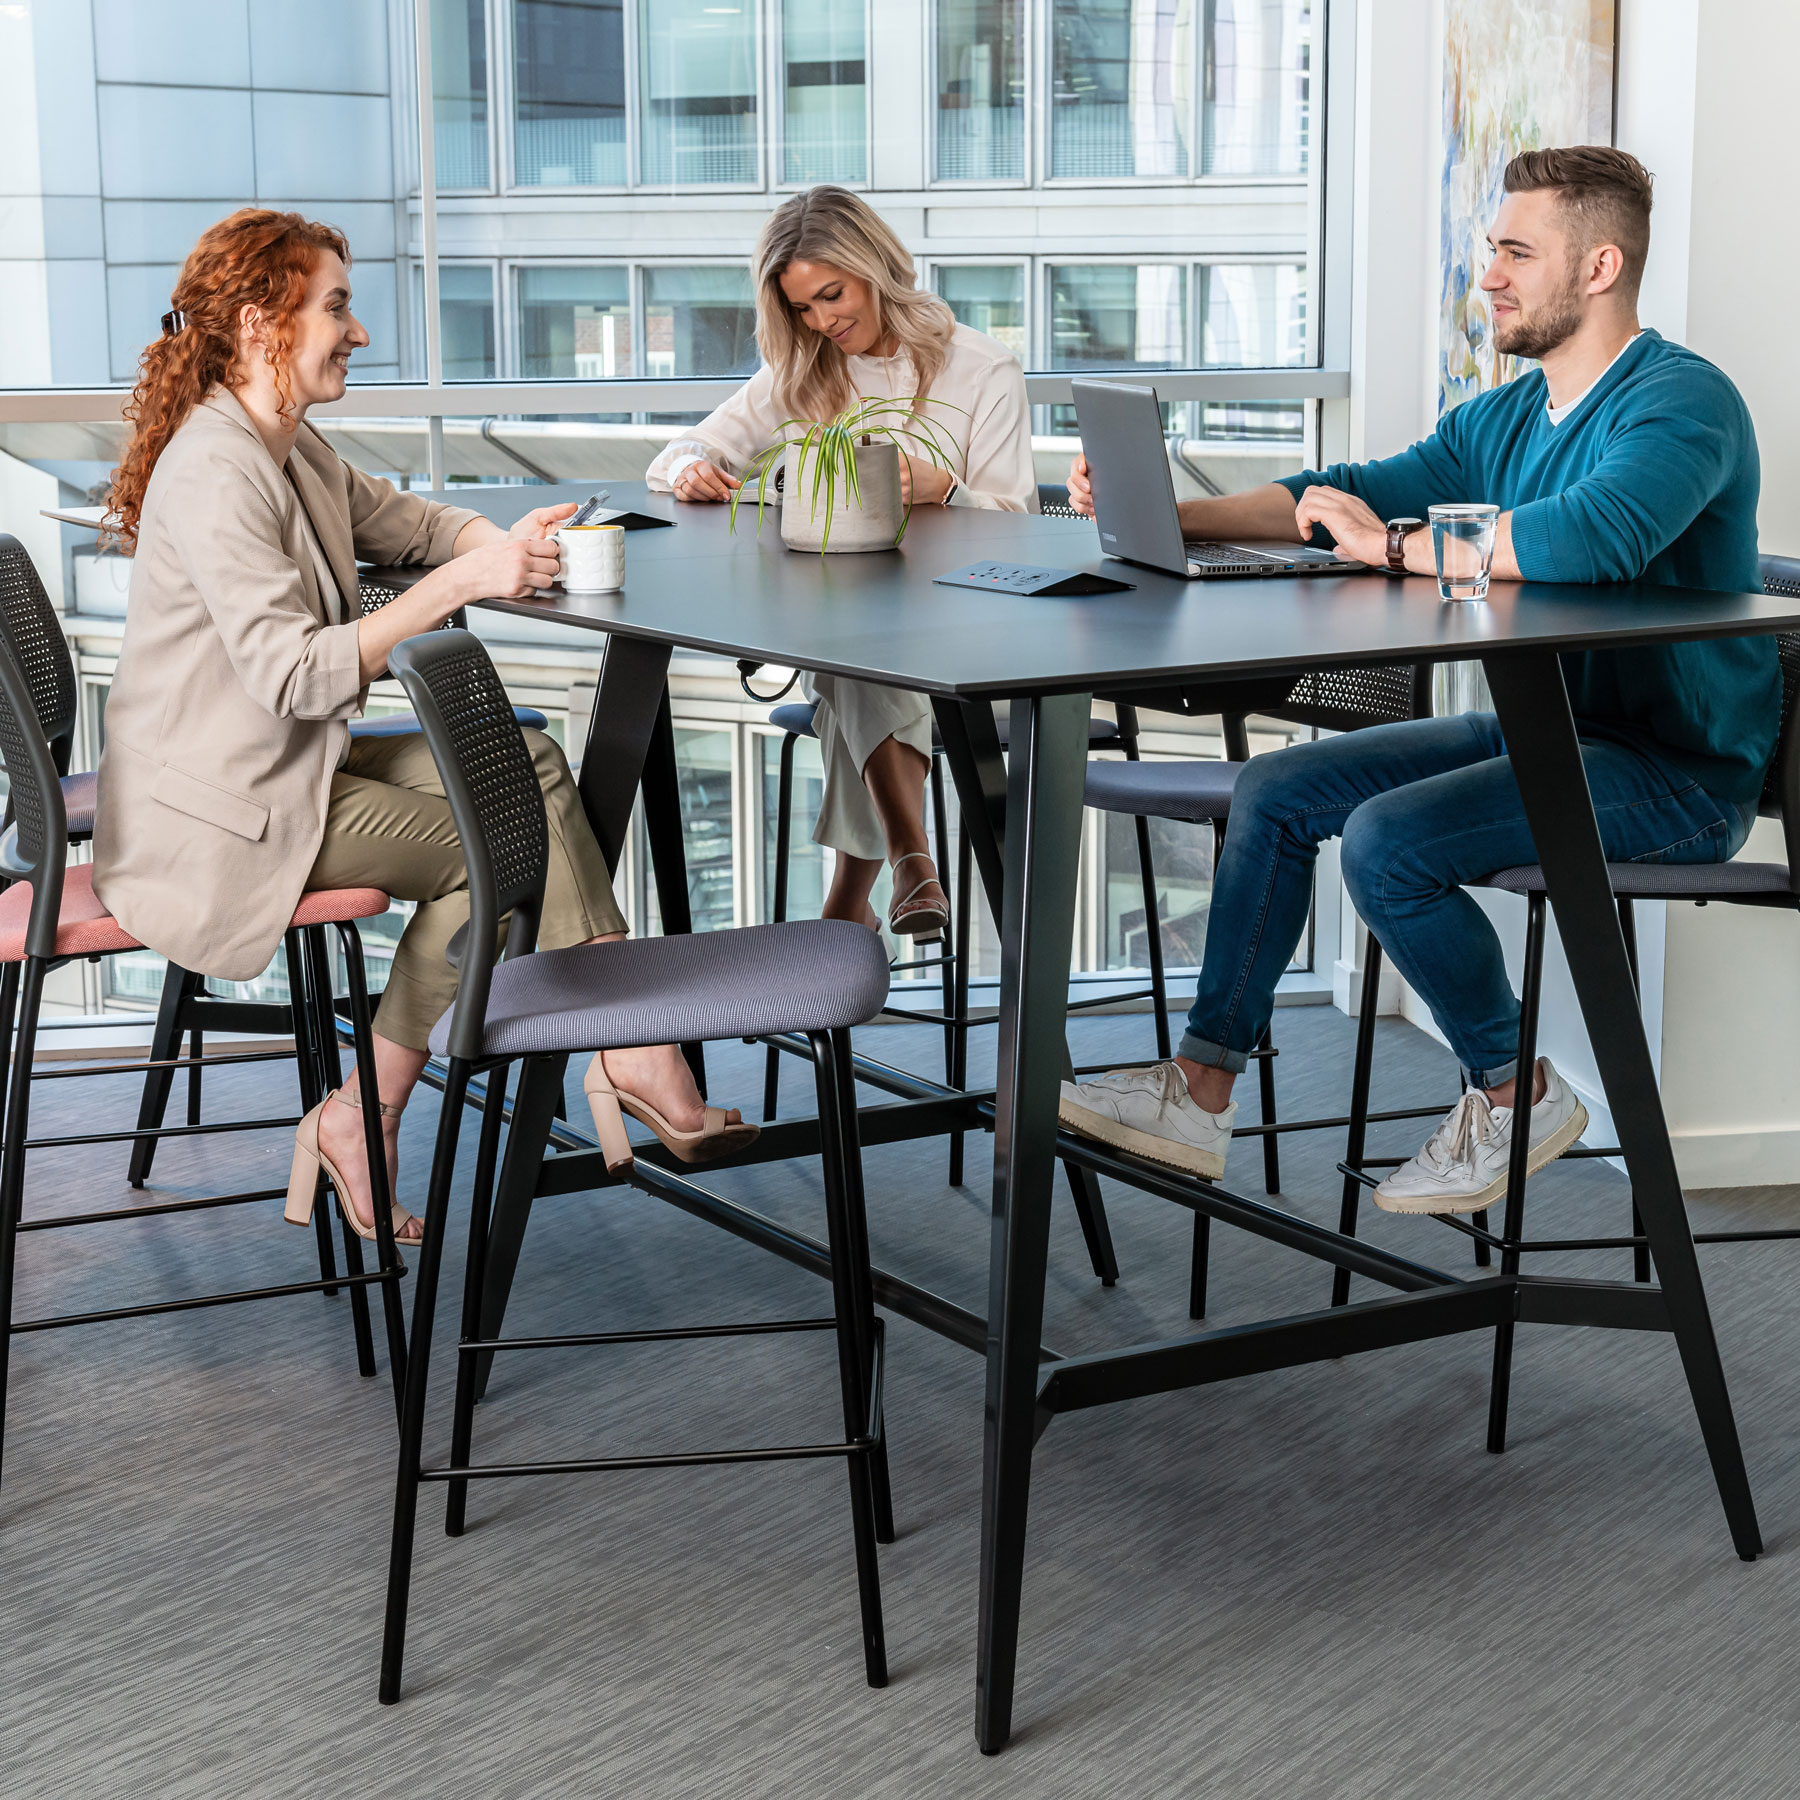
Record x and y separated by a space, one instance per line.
671 1334
687 1459
148 1212
200 1300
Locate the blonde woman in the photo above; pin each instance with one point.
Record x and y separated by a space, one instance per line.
839 318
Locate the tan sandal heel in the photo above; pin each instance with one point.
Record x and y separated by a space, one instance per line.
303 1178
609 1121
310 1162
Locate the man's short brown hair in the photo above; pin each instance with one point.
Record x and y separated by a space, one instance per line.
1604 195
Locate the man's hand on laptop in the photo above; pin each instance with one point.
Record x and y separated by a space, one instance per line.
1360 535
1081 489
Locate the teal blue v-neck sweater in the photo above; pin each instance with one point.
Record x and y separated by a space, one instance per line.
1653 477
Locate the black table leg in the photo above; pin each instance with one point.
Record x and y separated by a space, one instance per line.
972 748
631 744
1045 780
1533 706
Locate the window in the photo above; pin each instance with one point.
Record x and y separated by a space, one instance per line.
1118 316
703 776
574 324
699 322
980 90
466 308
1121 89
824 124
698 92
988 297
569 93
459 79
1253 315
1258 87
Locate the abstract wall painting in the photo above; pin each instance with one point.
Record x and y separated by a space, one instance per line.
1518 75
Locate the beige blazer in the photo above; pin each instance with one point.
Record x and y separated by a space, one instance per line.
234 688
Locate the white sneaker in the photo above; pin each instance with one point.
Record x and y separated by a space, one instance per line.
1463 1167
1150 1113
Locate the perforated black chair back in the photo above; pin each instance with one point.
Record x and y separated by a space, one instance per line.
39 845
1053 501
1349 699
494 798
33 633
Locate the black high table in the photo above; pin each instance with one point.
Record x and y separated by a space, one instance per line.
881 618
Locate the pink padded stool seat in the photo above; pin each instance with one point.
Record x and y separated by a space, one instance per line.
86 928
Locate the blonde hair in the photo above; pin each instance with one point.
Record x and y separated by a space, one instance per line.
832 225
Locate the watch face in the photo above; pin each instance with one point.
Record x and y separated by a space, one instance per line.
1404 524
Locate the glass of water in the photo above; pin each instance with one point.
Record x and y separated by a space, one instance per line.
1463 539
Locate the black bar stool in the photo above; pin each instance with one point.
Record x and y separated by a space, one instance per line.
1199 791
818 978
50 915
1731 883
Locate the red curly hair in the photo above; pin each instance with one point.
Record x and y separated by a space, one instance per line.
254 258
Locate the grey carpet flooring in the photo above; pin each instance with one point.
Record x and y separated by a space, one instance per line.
1313 1583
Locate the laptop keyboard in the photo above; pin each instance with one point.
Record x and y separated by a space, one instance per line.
1232 556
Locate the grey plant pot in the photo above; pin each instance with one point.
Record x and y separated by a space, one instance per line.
873 525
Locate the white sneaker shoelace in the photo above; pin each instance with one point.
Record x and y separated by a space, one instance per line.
1163 1080
1454 1143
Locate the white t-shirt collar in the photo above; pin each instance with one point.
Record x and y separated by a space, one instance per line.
1557 414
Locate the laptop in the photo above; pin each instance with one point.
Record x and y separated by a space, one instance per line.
1134 496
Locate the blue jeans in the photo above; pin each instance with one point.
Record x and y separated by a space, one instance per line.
1422 807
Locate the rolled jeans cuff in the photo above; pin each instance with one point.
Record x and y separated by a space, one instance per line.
1213 1056
1493 1076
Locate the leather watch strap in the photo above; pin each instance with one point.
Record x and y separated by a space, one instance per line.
1398 531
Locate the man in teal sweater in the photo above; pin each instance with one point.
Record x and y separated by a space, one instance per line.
1620 458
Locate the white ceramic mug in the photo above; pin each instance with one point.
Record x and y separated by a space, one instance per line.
592 558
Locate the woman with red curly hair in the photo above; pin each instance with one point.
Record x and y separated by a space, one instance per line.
229 782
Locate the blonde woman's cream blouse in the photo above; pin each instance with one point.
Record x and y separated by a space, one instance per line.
986 417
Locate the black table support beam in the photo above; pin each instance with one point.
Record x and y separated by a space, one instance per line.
1139 1370
1532 701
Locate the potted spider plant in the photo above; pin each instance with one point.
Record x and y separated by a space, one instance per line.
839 479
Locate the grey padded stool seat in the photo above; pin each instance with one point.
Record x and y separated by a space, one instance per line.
1196 792
1731 883
806 975
817 978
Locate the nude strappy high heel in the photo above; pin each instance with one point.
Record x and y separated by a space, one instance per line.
309 1159
909 916
714 1139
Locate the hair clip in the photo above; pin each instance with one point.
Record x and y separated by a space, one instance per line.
173 322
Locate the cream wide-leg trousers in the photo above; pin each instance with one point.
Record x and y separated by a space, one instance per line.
854 719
